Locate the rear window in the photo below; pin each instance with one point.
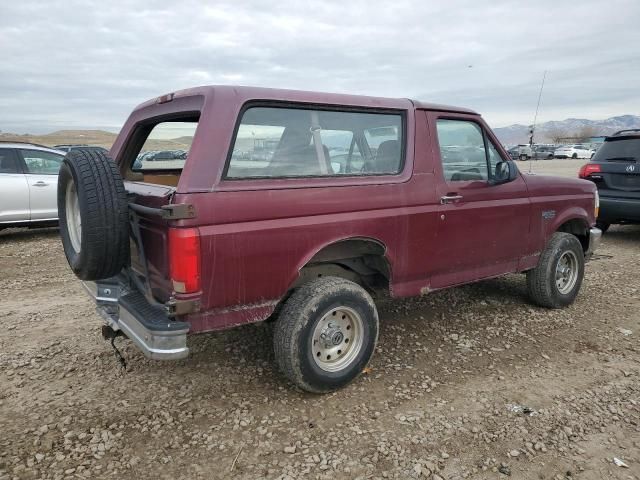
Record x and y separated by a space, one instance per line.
298 142
619 149
166 147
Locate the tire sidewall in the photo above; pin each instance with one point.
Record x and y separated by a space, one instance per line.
321 380
567 243
66 175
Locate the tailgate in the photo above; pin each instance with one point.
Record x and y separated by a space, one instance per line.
148 240
618 179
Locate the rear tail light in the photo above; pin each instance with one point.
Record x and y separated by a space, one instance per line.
588 169
184 259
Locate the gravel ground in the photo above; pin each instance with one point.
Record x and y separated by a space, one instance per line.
472 382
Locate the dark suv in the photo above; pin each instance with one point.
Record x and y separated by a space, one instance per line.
615 169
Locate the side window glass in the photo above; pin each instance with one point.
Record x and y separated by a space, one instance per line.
42 163
274 142
166 147
9 161
494 158
462 150
344 153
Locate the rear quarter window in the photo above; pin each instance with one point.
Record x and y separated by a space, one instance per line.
166 147
273 142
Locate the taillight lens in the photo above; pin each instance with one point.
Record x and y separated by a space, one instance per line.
184 259
588 169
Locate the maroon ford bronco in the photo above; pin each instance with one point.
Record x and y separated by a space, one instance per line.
220 206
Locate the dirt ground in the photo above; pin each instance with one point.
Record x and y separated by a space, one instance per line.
472 382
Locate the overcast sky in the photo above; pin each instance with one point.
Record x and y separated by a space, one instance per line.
86 64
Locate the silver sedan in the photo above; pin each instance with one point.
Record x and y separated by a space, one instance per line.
28 184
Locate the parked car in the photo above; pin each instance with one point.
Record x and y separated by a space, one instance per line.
514 152
615 169
69 147
28 185
220 241
573 151
520 152
527 152
543 152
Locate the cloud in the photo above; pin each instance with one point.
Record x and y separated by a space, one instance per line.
88 63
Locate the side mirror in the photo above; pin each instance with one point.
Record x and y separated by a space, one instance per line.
505 172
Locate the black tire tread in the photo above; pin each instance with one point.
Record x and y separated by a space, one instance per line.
540 289
105 224
293 316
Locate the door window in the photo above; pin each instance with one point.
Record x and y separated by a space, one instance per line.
9 161
42 163
462 150
494 158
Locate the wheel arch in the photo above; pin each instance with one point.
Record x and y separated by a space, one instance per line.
578 226
359 258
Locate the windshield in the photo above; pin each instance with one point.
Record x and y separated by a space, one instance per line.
624 149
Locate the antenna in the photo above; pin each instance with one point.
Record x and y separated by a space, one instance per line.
535 119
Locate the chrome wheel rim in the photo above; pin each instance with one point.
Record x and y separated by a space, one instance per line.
566 272
74 223
337 339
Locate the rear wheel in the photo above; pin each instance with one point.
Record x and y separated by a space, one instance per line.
574 156
325 334
556 280
523 157
93 215
604 226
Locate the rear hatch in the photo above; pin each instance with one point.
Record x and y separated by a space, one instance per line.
149 237
151 181
615 168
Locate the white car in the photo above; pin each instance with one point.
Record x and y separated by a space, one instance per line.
573 151
28 185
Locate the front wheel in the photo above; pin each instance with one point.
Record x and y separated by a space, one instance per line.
556 280
574 156
325 334
523 157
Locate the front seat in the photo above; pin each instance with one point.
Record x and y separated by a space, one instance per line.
388 157
297 157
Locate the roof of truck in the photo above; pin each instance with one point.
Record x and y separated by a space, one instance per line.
244 93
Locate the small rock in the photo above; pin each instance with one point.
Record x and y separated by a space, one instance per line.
290 449
514 453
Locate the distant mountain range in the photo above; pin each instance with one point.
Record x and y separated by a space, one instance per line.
511 135
545 132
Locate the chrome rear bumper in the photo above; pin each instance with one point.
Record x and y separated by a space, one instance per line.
148 326
595 236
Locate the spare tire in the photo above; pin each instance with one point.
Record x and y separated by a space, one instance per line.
93 214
